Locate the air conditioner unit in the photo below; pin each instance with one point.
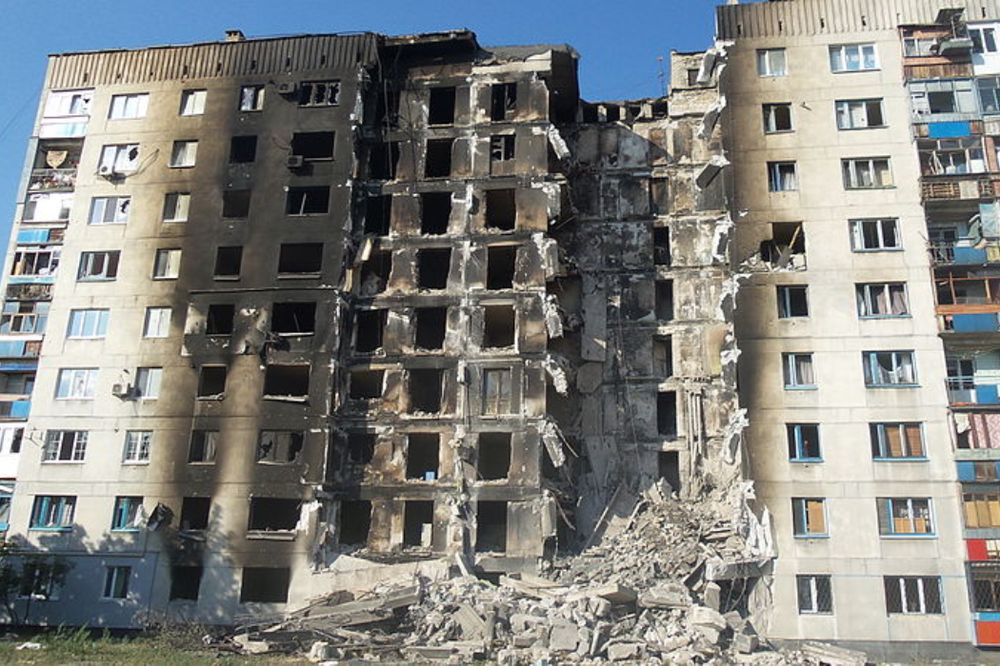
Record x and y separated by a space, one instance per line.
106 171
287 88
296 161
121 391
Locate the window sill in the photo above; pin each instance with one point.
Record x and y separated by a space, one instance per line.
811 387
50 529
94 279
805 461
900 316
182 166
892 386
816 613
73 397
287 398
793 317
62 462
781 191
175 221
855 71
276 535
295 334
902 459
201 463
897 537
868 189
326 212
226 278
806 537
124 530
860 129
299 276
135 463
864 250
163 278
770 132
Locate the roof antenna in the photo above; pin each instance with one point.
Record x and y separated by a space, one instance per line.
663 76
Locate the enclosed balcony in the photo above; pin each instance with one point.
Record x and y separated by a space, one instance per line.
55 165
973 377
967 292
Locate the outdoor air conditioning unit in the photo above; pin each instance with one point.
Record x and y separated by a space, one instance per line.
296 161
954 45
121 391
287 89
106 171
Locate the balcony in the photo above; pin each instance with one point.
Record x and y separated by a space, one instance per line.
15 409
47 180
963 390
964 253
20 348
959 187
985 322
967 293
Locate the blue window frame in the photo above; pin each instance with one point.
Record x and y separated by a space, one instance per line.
127 511
803 442
809 517
53 512
905 516
888 369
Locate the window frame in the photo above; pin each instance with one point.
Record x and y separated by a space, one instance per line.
165 259
65 447
126 511
801 520
209 446
128 106
776 176
177 198
184 154
269 457
157 312
199 97
843 109
65 510
115 157
102 204
816 595
870 363
501 401
921 584
148 380
72 379
137 452
765 64
251 98
887 521
784 296
853 174
110 260
797 452
92 318
770 119
116 583
790 371
841 50
881 445
866 299
858 236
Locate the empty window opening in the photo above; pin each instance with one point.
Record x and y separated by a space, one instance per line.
793 301
185 583
503 102
387 109
228 262
242 149
425 390
501 154
319 93
279 446
203 445
438 158
383 160
195 512
236 203
422 456
378 214
501 209
293 318
269 514
491 527
666 413
265 585
669 467
787 246
219 320
661 246
493 462
355 522
368 330
418 524
497 391
307 200
360 447
498 326
300 258
435 211
212 380
287 380
441 108
663 356
366 384
313 145
432 268
500 262
375 273
431 326
664 300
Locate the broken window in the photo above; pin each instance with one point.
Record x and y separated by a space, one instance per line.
441 107
270 514
96 265
438 158
919 46
300 258
777 118
53 512
496 391
904 515
949 157
195 512
418 523
203 446
368 330
945 96
692 76
355 522
252 98
860 114
803 442
661 246
235 203
502 154
44 261
319 93
268 585
147 383
912 595
378 214
433 266
798 370
793 301
286 380
422 456
105 210
228 262
867 235
193 102
491 527
782 177
666 413
852 57
293 318
771 62
425 390
500 263
435 212
669 468
185 582
431 326
501 209
116 582
65 446
664 300
127 514
307 201
361 446
24 317
184 154
366 384
242 149
212 381
897 440
167 264
866 173
499 326
882 299
815 594
503 101
219 320
493 461
383 158
982 509
663 356
989 93
120 158
313 146
279 446
889 368
375 273
809 517
787 246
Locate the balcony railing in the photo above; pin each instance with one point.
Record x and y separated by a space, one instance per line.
963 390
15 409
959 186
52 179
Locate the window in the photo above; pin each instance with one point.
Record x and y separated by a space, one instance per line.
279 446
109 210
65 446
68 103
782 177
896 440
501 209
889 368
866 173
79 383
433 266
228 262
919 46
242 149
383 158
989 93
128 106
501 154
904 516
48 207
313 146
319 93
815 594
116 582
860 114
307 201
167 265
369 326
184 154
912 594
271 514
195 513
366 384
212 381
982 509
777 118
872 235
88 323
137 443
42 261
185 582
425 390
984 40
219 319
798 371
944 96
98 265
193 102
771 62
496 391
503 101
435 212
119 158
286 380
53 512
24 317
501 265
431 328
203 445
176 206
882 300
236 203
493 456
157 323
437 157
252 98
293 318
793 301
300 258
127 514
265 585
423 456
41 579
803 442
809 517
852 57
441 106
951 156
147 383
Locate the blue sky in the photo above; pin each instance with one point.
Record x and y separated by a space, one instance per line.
619 43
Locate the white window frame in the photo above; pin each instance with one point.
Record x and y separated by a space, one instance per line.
157 322
858 234
65 446
68 103
252 97
107 259
778 176
167 264
916 47
865 173
138 444
109 210
147 382
184 154
853 114
963 92
119 158
88 324
790 370
771 120
988 94
922 607
76 384
867 297
130 106
176 206
984 39
843 56
193 102
772 62
48 207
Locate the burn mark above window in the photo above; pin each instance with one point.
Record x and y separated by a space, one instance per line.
292 318
438 158
307 201
433 266
242 149
441 106
501 209
319 93
195 512
212 381
503 101
265 585
313 146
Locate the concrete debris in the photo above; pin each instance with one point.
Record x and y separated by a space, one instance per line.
553 316
715 164
557 368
